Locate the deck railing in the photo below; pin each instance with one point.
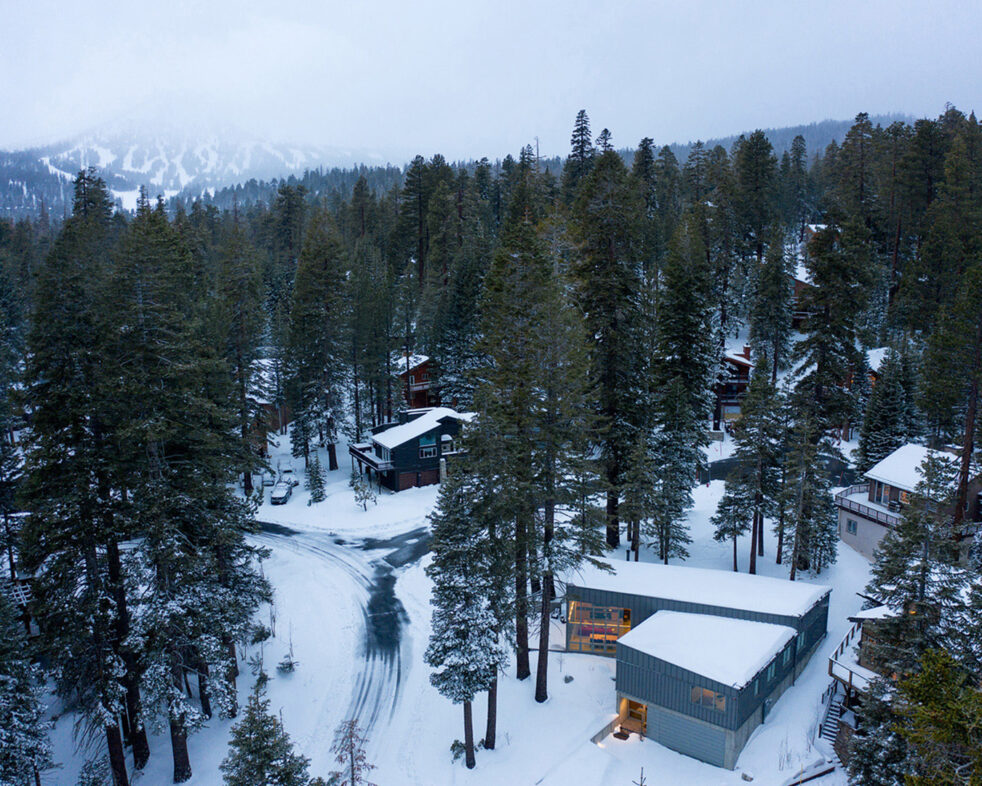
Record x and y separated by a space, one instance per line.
874 514
844 672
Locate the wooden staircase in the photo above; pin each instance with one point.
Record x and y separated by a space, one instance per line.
830 723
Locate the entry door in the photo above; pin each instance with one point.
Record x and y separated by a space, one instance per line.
638 713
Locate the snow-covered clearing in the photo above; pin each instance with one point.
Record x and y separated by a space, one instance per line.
359 629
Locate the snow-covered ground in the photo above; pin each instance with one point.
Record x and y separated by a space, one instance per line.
359 629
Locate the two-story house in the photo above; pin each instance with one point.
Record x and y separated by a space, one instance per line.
409 452
868 510
416 381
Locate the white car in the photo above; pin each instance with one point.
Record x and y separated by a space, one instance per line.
287 476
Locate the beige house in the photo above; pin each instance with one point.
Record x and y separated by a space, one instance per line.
867 510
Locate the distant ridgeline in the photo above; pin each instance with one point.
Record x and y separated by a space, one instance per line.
224 173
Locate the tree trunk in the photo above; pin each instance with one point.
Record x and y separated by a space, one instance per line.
468 738
117 759
613 525
636 540
968 442
753 545
203 694
521 598
491 730
230 675
542 665
179 750
760 535
136 731
332 456
735 568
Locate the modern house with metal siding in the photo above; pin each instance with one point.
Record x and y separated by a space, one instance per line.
609 613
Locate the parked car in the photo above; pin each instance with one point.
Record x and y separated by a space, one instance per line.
269 479
281 493
287 476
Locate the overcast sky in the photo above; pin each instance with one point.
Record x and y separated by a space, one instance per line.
470 77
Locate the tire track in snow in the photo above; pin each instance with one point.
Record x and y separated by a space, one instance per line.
377 684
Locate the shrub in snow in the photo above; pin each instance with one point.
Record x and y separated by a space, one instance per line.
349 750
364 493
95 772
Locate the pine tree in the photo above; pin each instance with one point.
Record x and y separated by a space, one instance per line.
683 375
607 214
65 460
757 436
315 479
885 424
24 747
463 649
878 754
756 181
942 712
839 263
349 750
316 340
260 750
581 157
770 316
732 517
811 522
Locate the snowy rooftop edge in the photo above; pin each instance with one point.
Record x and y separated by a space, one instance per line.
902 468
721 588
724 649
397 435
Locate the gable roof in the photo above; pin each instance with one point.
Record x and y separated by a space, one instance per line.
902 468
414 361
429 420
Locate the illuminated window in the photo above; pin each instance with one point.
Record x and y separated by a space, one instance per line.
596 628
708 699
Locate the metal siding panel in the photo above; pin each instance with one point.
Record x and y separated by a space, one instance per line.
686 736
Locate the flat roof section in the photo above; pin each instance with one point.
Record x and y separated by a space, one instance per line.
722 588
726 650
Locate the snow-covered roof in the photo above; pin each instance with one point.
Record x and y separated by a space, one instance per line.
723 649
737 357
398 435
875 613
874 357
816 227
414 361
801 273
723 588
902 468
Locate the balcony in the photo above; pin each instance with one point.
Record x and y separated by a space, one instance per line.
363 452
850 499
844 663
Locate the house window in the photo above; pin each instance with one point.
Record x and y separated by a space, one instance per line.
851 526
412 379
708 699
770 671
756 687
786 656
596 629
801 642
427 452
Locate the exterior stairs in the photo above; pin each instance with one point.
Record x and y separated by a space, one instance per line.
830 724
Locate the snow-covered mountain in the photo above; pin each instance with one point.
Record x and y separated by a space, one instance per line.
167 163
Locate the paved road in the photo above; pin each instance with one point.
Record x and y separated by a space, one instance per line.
375 691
